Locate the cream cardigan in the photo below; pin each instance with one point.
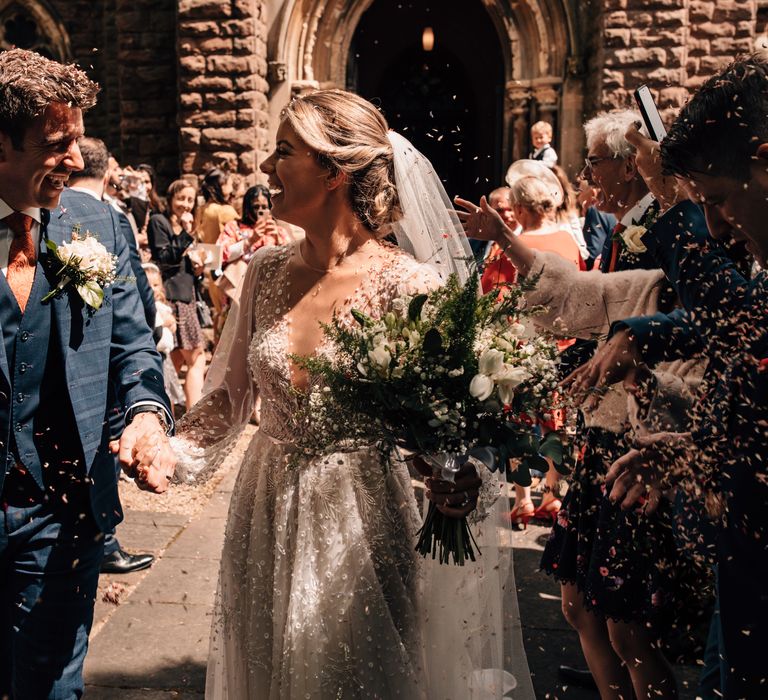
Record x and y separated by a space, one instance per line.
584 305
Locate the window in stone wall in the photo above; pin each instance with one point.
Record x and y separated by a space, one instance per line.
30 27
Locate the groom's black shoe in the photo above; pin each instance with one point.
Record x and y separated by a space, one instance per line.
120 562
577 676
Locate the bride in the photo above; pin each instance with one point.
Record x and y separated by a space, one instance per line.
321 594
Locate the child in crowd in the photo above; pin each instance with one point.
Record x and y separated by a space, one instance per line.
541 139
165 334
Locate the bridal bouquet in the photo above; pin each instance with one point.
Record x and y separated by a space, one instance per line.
449 375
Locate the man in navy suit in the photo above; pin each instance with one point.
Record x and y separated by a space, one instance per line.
86 185
57 479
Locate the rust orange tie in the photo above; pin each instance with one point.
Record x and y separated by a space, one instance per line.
615 247
22 257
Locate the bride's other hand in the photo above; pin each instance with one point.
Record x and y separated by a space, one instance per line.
481 222
455 499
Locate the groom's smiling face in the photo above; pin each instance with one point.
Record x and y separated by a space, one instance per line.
35 175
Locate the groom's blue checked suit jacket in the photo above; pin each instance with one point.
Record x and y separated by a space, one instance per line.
57 361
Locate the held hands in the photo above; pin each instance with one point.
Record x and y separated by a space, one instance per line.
648 160
145 453
457 499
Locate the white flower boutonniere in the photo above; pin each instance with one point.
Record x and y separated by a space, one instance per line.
633 238
87 264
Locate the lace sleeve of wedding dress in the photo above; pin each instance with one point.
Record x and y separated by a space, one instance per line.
208 431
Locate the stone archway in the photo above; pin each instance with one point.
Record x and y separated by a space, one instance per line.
31 24
309 40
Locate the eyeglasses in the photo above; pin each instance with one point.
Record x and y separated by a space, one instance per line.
592 161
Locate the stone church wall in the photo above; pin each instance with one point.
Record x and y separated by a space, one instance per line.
185 82
223 116
129 48
671 45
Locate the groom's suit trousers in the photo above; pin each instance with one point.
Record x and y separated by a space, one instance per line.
49 572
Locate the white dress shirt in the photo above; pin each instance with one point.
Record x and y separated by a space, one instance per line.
6 235
636 213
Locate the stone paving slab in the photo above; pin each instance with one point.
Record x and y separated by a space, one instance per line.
146 537
151 517
160 646
108 693
179 580
201 539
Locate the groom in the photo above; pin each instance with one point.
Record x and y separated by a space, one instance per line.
57 478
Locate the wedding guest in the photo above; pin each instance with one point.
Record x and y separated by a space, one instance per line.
57 484
164 328
210 220
534 209
568 211
500 200
596 225
717 149
241 239
148 177
91 181
171 240
216 211
621 191
541 140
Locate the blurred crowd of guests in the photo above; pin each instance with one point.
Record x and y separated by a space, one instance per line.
195 241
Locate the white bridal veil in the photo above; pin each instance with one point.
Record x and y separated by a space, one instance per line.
429 229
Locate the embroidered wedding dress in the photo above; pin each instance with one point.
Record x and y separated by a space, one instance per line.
321 594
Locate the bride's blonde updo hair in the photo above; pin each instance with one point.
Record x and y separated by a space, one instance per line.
350 137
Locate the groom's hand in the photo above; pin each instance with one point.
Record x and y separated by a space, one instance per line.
146 454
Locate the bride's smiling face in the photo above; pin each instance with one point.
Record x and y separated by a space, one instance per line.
297 182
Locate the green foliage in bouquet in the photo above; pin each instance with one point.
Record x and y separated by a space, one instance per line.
444 373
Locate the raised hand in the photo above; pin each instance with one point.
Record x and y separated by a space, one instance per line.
145 453
481 222
648 160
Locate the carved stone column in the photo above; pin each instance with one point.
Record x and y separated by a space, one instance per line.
546 93
516 110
